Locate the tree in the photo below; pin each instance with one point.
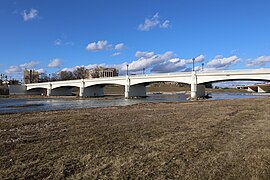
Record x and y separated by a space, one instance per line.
66 75
209 85
80 73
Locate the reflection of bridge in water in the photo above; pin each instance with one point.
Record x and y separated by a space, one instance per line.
136 85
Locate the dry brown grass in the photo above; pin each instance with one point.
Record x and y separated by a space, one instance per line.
193 140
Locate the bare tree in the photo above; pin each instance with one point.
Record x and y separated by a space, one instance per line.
66 75
80 73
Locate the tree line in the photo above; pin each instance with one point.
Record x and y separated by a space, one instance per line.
79 73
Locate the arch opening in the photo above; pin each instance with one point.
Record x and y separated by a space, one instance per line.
239 85
65 91
154 88
104 90
37 91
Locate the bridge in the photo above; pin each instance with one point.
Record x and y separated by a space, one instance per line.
135 85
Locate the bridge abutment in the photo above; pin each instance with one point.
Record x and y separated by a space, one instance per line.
196 90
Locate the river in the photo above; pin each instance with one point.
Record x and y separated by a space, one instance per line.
13 105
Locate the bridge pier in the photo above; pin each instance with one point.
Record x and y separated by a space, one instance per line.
81 93
138 90
49 90
127 87
196 90
263 89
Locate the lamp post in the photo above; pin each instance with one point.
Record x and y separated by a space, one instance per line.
143 70
127 69
49 77
202 66
193 61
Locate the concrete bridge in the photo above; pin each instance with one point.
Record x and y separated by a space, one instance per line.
135 85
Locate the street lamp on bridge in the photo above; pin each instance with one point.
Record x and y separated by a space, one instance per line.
193 63
127 69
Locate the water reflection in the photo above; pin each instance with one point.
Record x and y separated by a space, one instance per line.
28 105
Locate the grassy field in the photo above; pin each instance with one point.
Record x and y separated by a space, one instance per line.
192 140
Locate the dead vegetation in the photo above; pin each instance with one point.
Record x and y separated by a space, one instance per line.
194 140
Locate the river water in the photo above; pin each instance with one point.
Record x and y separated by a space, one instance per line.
9 105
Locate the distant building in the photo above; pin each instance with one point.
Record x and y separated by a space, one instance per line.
100 72
30 76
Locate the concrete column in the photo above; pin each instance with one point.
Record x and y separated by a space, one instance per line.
127 86
193 85
82 88
49 89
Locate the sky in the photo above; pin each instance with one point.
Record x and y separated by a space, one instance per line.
158 36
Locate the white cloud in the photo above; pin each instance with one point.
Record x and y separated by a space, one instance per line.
165 24
103 45
40 71
61 42
149 59
20 68
32 14
260 61
13 69
220 62
97 46
119 46
144 54
116 54
153 22
176 64
159 63
58 42
55 63
31 64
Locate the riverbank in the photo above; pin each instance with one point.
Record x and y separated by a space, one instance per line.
227 139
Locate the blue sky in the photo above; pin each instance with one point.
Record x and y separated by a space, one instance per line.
160 36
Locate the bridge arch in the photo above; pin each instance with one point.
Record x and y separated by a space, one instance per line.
36 91
64 90
100 89
232 79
